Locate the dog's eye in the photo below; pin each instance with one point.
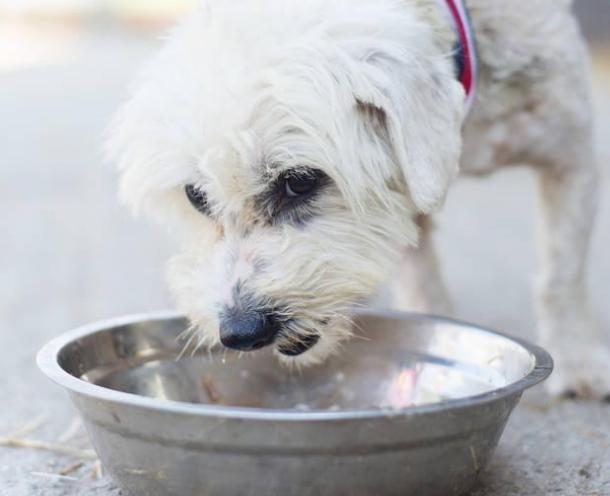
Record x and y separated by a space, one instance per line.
300 184
198 198
292 196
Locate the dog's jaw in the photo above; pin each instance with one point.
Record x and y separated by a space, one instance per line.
328 344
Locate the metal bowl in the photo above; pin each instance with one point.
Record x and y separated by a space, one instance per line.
415 407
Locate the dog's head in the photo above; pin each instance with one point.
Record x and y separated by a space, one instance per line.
290 144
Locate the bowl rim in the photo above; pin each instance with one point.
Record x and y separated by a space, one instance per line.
48 362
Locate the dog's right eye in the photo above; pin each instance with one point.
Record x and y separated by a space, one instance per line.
198 198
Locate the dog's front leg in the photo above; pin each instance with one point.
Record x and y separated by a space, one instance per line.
418 284
569 198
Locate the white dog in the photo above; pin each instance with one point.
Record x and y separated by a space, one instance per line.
299 148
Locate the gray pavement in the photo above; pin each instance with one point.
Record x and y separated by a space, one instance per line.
69 255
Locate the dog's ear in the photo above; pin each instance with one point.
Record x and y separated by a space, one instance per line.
418 108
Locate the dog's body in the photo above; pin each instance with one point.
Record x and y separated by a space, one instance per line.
534 108
316 138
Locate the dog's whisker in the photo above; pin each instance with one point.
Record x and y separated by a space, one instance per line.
201 343
186 346
183 335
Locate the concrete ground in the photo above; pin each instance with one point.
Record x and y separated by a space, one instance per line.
70 255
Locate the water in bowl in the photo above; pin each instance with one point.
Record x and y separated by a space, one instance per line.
371 382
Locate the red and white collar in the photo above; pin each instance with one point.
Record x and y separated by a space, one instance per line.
466 49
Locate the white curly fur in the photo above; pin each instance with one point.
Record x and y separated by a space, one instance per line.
363 90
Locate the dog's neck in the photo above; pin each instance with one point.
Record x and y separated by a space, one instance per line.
454 34
466 50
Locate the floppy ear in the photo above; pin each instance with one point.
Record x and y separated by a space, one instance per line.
421 107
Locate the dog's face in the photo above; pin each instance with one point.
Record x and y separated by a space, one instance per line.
290 144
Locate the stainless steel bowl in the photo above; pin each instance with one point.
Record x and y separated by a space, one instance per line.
415 407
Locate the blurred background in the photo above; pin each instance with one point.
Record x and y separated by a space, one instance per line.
69 254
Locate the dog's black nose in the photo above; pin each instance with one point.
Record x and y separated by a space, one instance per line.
247 330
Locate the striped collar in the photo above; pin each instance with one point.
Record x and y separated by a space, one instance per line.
466 49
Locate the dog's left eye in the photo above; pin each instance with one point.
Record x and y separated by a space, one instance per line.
300 184
198 198
292 195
